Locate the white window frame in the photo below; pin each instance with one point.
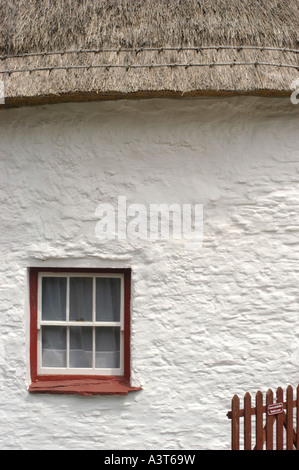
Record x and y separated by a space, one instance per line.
79 371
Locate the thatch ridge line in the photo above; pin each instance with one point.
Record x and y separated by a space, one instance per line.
134 66
150 49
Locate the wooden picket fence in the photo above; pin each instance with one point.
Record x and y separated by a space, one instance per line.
270 426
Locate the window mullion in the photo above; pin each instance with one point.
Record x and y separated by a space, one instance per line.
67 319
122 301
67 347
67 314
93 347
93 320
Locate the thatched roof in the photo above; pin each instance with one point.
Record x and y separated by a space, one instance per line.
61 50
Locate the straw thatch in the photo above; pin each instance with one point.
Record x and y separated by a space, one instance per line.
53 50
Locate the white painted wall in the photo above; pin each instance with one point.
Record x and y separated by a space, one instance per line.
205 324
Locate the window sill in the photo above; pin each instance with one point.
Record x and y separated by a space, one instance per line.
85 387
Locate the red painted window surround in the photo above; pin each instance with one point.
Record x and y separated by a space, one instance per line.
76 384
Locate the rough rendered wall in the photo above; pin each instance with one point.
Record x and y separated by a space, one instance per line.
206 323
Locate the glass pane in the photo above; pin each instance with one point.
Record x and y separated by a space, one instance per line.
108 347
81 299
53 298
53 346
108 299
80 346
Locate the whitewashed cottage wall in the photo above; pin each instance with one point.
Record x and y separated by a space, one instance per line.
206 323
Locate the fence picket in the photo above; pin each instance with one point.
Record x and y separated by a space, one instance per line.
235 422
247 421
297 417
279 421
289 418
269 422
259 420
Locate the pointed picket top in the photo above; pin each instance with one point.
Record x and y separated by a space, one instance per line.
235 402
259 396
279 395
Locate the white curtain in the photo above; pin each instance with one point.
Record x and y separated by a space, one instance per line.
108 347
80 347
54 346
80 299
54 298
107 299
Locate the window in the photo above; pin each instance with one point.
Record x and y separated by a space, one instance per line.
80 331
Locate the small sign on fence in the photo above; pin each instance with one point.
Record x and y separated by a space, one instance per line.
275 409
